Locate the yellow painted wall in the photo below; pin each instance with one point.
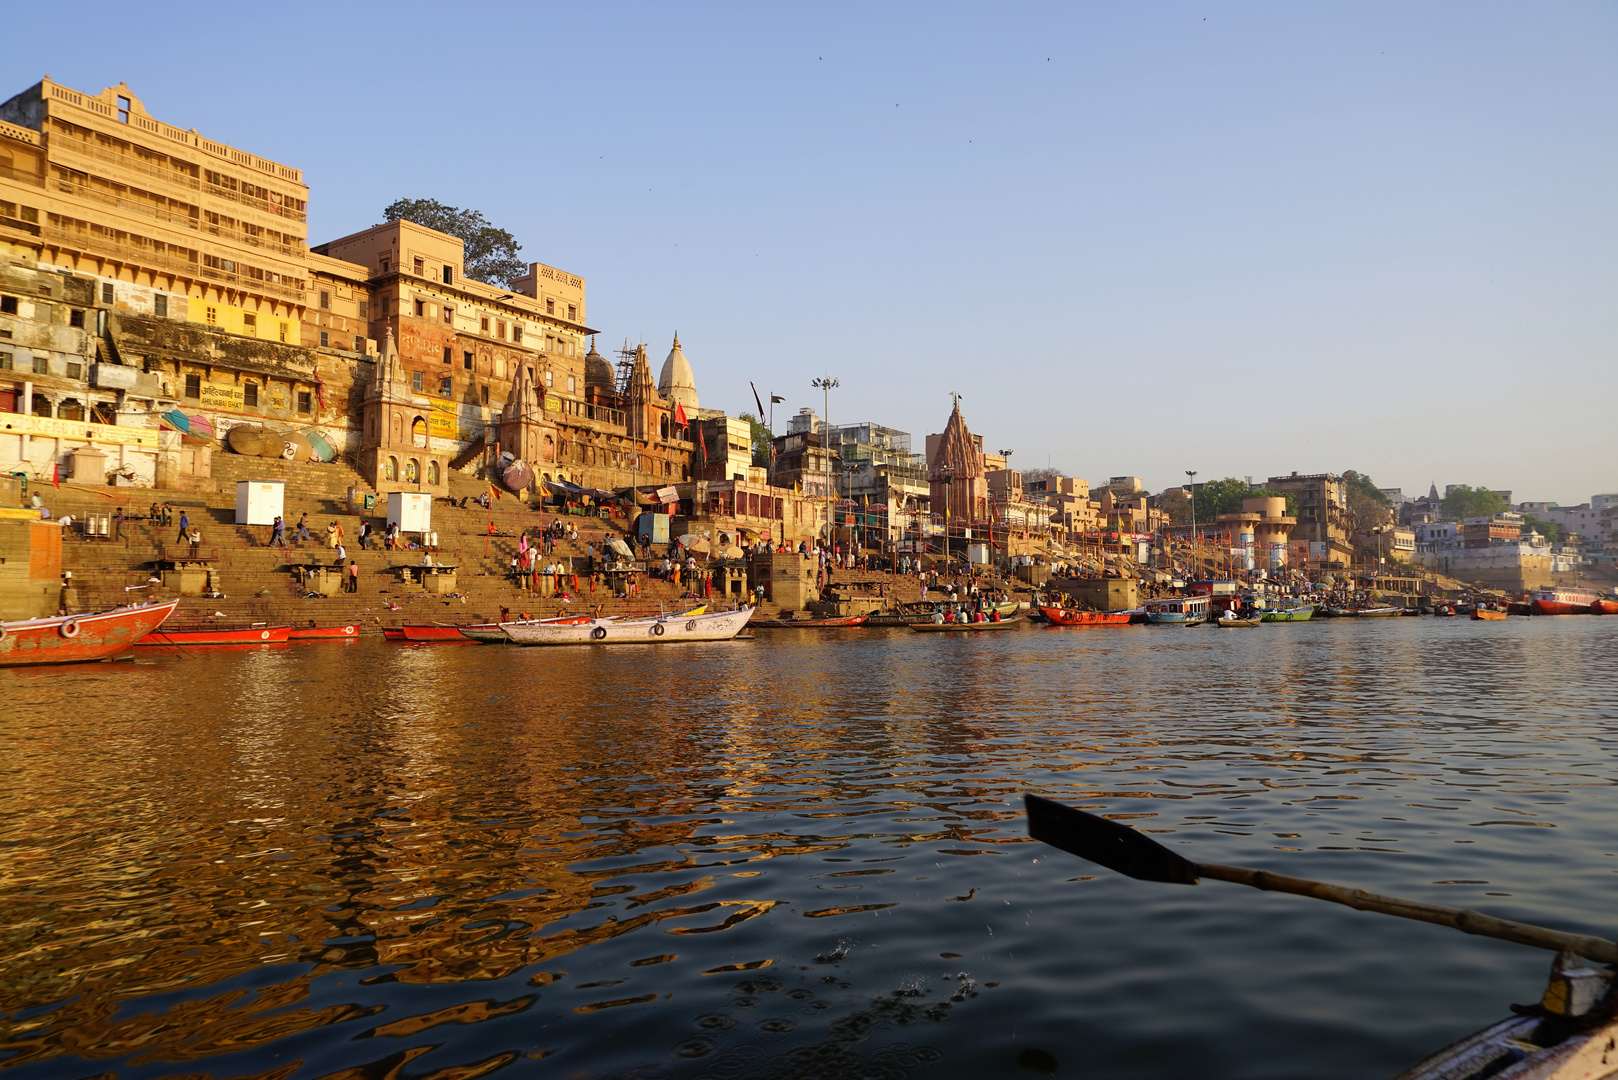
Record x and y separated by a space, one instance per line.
229 318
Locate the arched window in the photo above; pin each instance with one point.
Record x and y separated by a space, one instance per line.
70 409
412 472
432 473
390 469
418 433
665 426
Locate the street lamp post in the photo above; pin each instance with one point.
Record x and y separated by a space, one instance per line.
1191 475
946 474
826 384
1007 455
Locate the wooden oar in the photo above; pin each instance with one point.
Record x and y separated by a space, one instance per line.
1120 848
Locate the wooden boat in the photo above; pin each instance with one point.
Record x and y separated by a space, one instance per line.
223 635
1230 620
719 626
493 635
947 628
1177 611
1301 613
1520 607
311 633
1487 613
809 624
904 614
73 639
436 631
1564 601
1382 612
1057 616
393 633
1604 606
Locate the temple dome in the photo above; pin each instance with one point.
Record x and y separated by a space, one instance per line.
676 383
597 370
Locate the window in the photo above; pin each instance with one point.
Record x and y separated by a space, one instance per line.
359 343
570 384
193 387
250 325
5 365
432 466
325 300
446 354
550 380
421 309
516 333
483 325
75 317
572 313
365 307
75 371
160 305
42 366
415 381
305 401
210 315
106 292
449 313
485 389
466 361
325 339
283 331
500 328
30 215
449 275
419 267
550 307
123 110
385 270
445 388
8 305
250 395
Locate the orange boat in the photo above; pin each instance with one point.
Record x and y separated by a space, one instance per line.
1603 606
72 639
1487 613
1565 601
233 635
310 633
1069 617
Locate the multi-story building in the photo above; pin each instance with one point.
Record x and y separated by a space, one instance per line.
884 480
1322 533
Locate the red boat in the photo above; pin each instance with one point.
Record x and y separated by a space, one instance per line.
309 633
72 639
437 631
393 633
1069 617
1603 606
234 635
1565 601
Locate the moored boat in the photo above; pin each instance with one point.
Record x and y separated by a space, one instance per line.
831 622
1564 601
1234 620
1301 613
436 631
1604 605
718 626
1385 611
1483 613
949 627
1070 617
220 635
1177 611
72 639
311 633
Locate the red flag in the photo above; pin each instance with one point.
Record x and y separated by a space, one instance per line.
679 414
56 475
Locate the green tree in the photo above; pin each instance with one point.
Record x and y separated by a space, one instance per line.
1463 502
1226 496
1176 506
763 439
1367 506
1550 529
491 253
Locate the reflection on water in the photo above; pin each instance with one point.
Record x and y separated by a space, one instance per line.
797 856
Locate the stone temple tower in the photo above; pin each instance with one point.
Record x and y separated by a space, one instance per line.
955 473
396 444
525 429
676 383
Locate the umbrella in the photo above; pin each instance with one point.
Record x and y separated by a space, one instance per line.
695 542
246 439
619 547
322 450
177 420
201 426
518 476
730 551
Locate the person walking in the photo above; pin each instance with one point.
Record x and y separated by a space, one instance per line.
365 535
185 528
342 555
303 527
118 524
278 532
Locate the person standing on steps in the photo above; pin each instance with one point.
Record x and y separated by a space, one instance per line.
185 529
353 584
365 535
303 527
118 524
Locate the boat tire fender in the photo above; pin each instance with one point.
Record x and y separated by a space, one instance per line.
599 632
349 630
70 629
657 629
4 633
690 624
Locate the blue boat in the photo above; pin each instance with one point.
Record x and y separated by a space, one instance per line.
1177 611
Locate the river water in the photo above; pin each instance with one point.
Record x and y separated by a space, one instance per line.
798 856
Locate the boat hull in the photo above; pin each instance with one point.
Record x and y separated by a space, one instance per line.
1069 617
809 624
720 626
251 635
1297 614
1174 618
1483 614
427 632
953 628
1604 607
77 639
1564 601
321 633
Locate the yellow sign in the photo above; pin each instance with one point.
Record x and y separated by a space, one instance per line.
77 431
553 403
445 422
215 396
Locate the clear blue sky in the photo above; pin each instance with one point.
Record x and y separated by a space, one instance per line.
1136 238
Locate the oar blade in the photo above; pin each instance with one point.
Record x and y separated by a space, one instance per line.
1115 846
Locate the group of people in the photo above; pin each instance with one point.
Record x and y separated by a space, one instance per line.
965 613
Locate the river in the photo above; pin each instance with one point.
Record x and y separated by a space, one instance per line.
798 856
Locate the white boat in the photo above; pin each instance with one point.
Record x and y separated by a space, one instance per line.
718 626
1177 611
